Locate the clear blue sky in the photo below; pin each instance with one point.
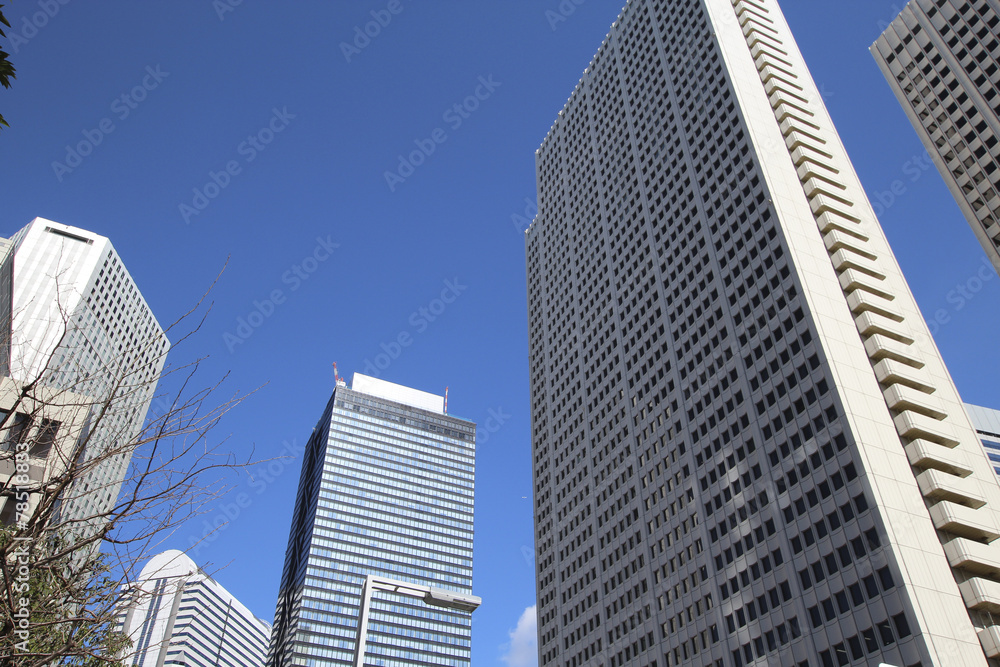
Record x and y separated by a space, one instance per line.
299 133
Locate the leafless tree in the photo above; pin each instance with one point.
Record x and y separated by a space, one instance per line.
75 529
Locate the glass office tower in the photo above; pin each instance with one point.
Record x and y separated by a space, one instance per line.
387 489
747 449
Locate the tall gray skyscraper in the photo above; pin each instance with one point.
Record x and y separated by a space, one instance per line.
74 326
942 60
387 489
747 449
175 614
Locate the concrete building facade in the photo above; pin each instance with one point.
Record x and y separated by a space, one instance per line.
36 444
175 614
747 449
74 324
942 61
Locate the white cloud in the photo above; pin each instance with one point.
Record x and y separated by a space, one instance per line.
522 651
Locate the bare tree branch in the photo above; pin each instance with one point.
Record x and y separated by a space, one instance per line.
58 594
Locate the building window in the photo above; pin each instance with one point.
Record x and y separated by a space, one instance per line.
46 438
15 431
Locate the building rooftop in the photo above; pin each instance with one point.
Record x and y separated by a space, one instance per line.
398 393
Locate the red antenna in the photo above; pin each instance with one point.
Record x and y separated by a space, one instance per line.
336 376
446 400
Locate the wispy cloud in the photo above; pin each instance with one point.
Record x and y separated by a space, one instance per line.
522 651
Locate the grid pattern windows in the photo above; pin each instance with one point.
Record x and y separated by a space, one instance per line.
74 320
942 59
697 492
386 489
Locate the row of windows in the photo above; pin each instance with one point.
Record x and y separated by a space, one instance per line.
841 558
443 426
374 486
411 448
945 99
870 641
659 199
770 641
852 597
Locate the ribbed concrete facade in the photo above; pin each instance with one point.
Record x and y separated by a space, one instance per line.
747 449
942 60
175 614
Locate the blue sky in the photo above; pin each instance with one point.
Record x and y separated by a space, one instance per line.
250 131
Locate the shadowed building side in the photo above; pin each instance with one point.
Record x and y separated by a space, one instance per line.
747 449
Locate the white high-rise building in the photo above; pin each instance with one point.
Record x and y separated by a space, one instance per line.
175 614
747 449
73 322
